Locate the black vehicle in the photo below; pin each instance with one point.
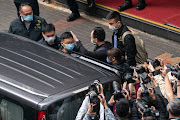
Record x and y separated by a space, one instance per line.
40 83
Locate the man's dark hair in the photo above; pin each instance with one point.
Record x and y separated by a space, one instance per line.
122 107
114 15
48 28
99 33
115 52
23 4
174 107
66 35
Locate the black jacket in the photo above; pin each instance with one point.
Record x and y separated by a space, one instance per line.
158 104
100 52
25 1
129 46
56 45
18 27
121 67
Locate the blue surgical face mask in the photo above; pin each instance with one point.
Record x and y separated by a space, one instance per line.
28 18
108 61
92 42
69 47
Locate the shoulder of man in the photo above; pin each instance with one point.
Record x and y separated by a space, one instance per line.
57 40
39 20
129 37
16 21
42 41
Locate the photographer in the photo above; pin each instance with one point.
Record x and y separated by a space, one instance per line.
108 113
157 77
121 104
173 106
93 94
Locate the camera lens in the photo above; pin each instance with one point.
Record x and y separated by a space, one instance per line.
94 97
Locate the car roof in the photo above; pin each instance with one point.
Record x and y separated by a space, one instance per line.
35 72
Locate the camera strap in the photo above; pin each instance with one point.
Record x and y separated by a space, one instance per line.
97 116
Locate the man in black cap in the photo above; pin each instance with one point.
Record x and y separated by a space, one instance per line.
128 4
32 3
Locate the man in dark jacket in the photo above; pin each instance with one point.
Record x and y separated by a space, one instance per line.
101 46
49 37
114 57
32 3
128 48
27 25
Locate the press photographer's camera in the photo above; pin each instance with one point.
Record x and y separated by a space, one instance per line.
176 74
94 86
139 70
129 78
172 68
93 94
154 62
93 97
145 91
156 72
147 111
145 78
117 92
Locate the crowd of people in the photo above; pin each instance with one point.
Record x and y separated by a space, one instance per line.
151 91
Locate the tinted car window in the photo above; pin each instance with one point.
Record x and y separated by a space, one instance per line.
67 109
13 110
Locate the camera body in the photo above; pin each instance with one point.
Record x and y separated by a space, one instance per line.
93 95
145 91
145 78
156 72
147 111
139 70
117 92
176 74
154 62
94 85
171 67
128 77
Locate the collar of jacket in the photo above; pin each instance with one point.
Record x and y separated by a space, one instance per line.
118 31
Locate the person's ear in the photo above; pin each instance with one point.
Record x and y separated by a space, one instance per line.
167 108
119 23
20 13
95 40
43 35
113 59
62 44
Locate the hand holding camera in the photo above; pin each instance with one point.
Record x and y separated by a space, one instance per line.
90 107
152 93
126 95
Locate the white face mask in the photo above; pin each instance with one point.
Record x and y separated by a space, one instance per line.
111 27
50 40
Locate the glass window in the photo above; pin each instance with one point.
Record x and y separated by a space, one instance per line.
68 108
10 111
